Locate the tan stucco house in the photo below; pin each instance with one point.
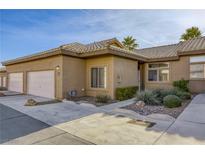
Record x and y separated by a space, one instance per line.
101 67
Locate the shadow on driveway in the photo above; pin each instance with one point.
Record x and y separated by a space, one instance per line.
14 124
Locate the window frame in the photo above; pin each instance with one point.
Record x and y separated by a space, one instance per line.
98 78
196 63
158 72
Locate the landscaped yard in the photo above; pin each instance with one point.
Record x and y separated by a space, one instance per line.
150 109
161 101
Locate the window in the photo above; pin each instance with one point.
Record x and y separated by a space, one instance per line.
197 71
98 77
158 72
197 67
197 59
152 75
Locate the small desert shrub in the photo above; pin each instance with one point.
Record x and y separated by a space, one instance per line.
161 93
183 95
181 85
125 93
148 97
172 101
102 98
31 102
1 94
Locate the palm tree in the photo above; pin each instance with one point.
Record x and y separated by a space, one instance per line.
130 43
190 33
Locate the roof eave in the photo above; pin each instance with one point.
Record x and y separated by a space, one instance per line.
164 59
32 57
192 52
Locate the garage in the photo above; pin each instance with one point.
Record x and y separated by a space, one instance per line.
4 81
16 82
1 84
41 83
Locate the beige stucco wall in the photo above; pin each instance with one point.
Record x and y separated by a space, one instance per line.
116 66
49 63
178 70
74 75
197 86
125 72
106 61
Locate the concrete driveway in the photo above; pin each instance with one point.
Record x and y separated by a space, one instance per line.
108 125
50 114
18 128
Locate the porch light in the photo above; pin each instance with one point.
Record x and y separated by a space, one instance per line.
57 67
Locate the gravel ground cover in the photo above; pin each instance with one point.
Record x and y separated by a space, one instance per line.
150 109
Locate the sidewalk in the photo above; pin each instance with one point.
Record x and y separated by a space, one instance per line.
189 128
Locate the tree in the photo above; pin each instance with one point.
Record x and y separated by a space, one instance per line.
130 43
190 33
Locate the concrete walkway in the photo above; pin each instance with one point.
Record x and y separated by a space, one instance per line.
189 128
103 128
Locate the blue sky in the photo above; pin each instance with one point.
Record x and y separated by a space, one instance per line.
24 32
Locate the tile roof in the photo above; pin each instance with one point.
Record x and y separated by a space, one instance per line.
159 52
96 48
79 50
173 50
193 45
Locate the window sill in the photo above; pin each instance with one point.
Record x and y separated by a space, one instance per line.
98 89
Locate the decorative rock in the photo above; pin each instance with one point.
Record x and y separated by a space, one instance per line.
1 94
31 102
140 104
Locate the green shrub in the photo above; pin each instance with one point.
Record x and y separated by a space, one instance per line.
161 93
102 98
125 93
172 101
183 95
181 84
148 97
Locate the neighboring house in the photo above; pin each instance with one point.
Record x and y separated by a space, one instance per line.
3 77
101 67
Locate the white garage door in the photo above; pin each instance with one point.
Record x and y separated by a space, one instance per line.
4 81
1 85
41 83
16 82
